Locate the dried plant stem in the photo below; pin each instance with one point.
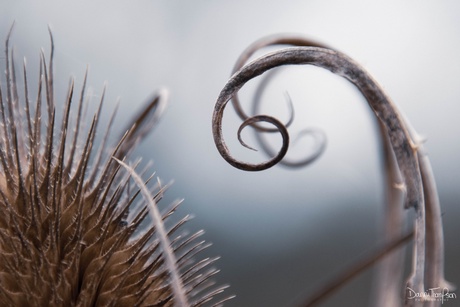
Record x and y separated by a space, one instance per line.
342 65
404 148
316 134
356 269
389 273
273 40
346 67
434 268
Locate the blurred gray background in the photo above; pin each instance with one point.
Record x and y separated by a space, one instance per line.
281 233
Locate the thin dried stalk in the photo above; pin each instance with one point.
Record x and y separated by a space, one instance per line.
324 292
389 274
434 270
434 263
401 142
317 134
273 40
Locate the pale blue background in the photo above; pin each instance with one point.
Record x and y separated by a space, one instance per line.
280 232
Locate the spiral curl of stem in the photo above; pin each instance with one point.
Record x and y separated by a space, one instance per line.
317 134
402 144
340 64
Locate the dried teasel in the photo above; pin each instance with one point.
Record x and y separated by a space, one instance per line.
73 230
406 165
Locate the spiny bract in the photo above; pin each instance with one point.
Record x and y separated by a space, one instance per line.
70 220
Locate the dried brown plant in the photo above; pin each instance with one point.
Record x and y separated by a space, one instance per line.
406 166
73 229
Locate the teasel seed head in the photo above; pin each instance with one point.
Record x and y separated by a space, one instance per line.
72 226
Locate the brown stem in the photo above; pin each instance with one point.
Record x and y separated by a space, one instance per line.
389 273
273 40
402 145
316 134
356 269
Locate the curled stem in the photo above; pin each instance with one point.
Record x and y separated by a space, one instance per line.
404 148
273 40
340 64
318 135
264 118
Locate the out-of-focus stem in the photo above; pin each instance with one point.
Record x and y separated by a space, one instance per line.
434 267
389 274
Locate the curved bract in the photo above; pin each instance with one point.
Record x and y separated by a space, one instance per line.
342 65
317 134
273 40
392 125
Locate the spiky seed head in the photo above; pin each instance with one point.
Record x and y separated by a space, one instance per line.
70 220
